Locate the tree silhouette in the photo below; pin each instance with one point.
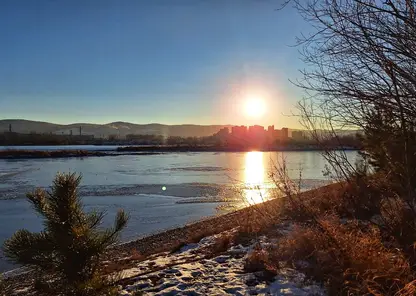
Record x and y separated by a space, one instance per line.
67 252
360 62
359 74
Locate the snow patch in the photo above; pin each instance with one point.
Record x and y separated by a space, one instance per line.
188 272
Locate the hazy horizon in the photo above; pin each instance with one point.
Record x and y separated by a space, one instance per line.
158 61
129 122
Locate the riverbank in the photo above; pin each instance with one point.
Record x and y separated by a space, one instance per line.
30 154
17 154
210 246
136 150
169 239
186 148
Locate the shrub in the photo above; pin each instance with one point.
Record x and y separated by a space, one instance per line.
350 260
398 221
67 252
257 260
357 198
221 244
362 195
343 53
372 253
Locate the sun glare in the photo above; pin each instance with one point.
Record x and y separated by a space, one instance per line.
255 191
255 107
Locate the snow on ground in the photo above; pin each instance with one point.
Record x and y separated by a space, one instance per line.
189 272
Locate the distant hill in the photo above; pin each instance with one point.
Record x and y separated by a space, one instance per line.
113 128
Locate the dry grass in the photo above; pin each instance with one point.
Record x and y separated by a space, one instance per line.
249 225
221 244
362 195
357 199
357 257
259 260
409 289
353 258
192 237
125 263
371 252
349 259
249 222
399 221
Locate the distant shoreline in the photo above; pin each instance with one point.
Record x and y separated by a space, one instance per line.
39 154
140 150
165 148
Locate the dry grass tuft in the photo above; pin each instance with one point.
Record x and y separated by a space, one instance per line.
409 289
125 263
357 237
137 256
350 260
221 244
258 260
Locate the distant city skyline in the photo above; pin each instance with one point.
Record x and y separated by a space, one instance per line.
168 62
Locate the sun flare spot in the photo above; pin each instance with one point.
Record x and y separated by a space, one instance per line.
255 107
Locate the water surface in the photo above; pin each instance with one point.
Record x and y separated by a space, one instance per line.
158 191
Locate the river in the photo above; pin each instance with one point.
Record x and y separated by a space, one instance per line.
158 191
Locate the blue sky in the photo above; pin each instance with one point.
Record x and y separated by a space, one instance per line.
167 61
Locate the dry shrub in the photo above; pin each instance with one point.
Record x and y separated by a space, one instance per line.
196 235
244 237
399 223
409 289
259 260
373 254
260 217
125 263
357 198
221 244
361 195
304 207
224 241
258 220
137 256
349 259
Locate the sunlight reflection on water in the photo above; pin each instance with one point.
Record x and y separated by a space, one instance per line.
255 181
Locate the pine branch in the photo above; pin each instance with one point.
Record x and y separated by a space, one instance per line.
69 248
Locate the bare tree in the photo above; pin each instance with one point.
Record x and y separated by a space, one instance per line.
360 75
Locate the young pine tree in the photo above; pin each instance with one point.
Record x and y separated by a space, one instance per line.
67 252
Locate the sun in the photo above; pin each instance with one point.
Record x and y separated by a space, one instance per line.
255 107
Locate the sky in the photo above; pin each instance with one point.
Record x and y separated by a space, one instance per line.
164 61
